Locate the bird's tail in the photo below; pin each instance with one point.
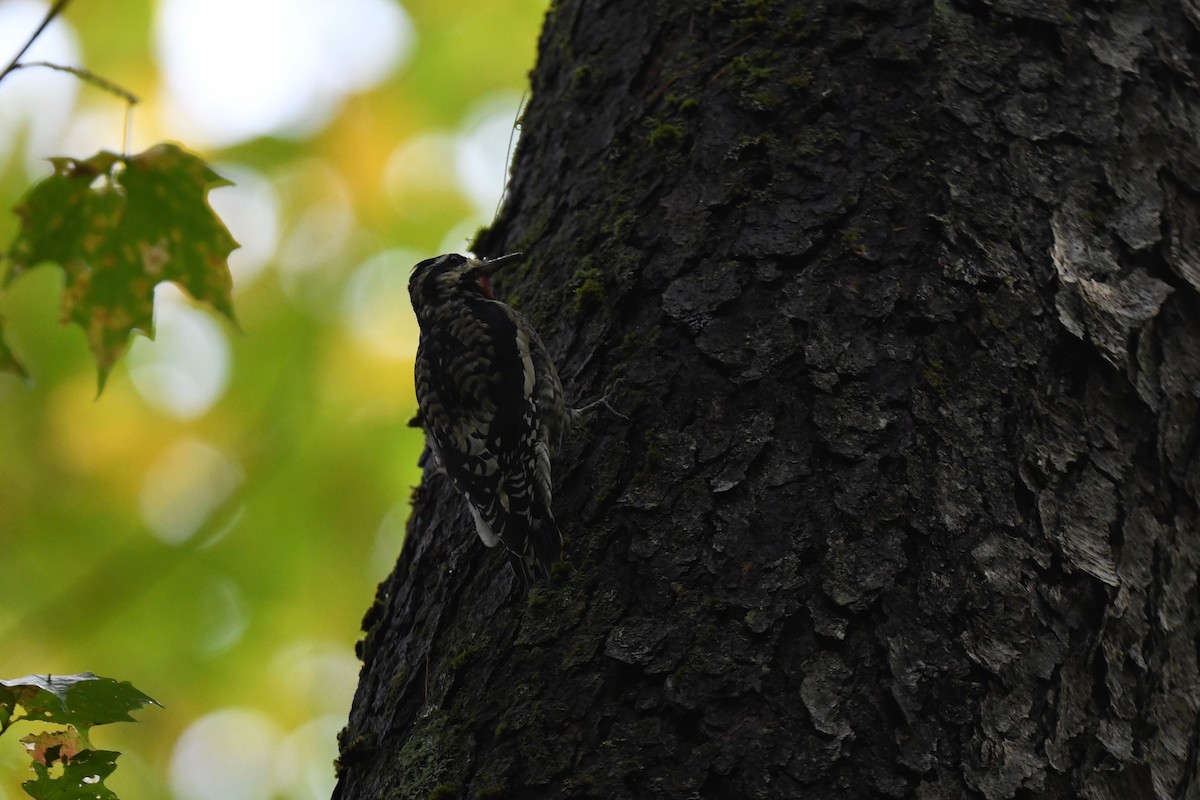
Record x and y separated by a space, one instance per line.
539 551
545 541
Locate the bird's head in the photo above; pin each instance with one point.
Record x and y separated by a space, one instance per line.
435 281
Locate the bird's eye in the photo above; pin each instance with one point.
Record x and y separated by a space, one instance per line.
421 265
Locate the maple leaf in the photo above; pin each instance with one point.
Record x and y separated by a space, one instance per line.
64 761
79 777
81 700
119 226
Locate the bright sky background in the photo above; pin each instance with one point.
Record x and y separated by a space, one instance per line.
221 515
284 66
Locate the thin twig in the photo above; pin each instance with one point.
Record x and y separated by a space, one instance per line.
86 76
54 11
508 154
127 133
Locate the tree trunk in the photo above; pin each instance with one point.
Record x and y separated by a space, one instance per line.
902 302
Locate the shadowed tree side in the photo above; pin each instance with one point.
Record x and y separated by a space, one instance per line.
902 298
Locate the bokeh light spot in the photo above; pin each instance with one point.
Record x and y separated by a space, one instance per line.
250 209
184 371
236 70
376 307
303 759
314 244
389 538
419 168
183 487
222 611
483 148
36 100
324 672
226 755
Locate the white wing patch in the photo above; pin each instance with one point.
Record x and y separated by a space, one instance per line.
526 360
481 527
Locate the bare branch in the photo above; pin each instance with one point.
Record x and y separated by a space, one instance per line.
86 76
54 11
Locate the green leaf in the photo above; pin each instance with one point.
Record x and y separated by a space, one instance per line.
80 700
67 767
118 227
82 776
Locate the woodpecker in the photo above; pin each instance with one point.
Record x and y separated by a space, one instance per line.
491 404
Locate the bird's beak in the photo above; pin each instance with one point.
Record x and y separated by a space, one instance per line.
491 265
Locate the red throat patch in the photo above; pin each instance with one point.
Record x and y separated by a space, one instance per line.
485 284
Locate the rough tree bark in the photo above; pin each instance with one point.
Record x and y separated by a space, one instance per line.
903 300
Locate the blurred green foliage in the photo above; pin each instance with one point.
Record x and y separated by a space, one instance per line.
220 556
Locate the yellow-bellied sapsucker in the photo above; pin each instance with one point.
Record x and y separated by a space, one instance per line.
491 404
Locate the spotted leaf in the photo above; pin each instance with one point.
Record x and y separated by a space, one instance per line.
118 227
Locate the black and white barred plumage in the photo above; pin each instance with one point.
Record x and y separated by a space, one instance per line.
491 404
